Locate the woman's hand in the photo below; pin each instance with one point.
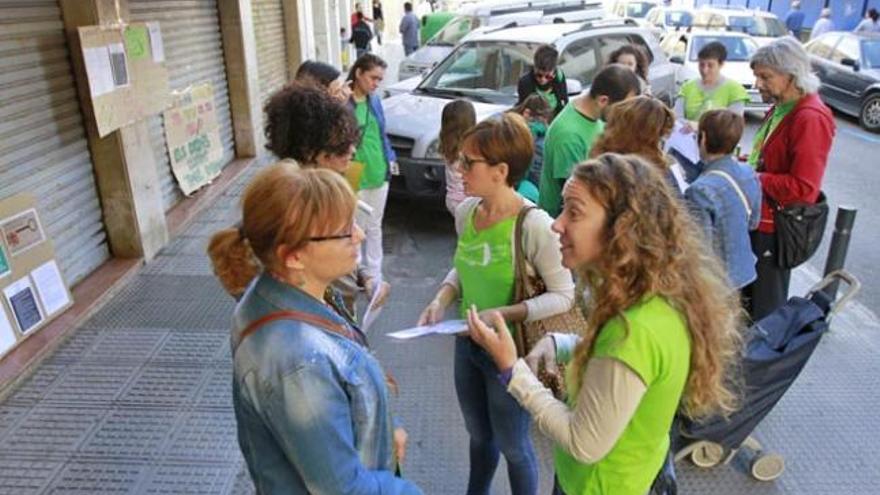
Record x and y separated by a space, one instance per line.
496 341
400 437
432 314
543 355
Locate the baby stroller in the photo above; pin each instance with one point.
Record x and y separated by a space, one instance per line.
776 350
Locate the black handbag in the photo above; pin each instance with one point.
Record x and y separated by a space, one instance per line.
799 230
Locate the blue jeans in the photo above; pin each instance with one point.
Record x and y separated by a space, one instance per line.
495 421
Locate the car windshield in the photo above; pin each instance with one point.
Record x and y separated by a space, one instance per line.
871 54
454 31
680 18
639 9
738 49
485 71
757 26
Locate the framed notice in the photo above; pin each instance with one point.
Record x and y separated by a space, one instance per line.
22 232
5 267
22 299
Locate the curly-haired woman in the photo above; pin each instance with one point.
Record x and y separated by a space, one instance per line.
662 331
634 58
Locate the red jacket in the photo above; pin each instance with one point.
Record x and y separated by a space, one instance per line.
795 156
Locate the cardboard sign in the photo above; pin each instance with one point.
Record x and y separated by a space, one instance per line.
32 287
193 138
125 69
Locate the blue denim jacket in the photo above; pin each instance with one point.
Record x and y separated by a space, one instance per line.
376 108
719 211
311 406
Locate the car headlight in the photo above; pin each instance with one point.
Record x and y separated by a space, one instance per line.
433 150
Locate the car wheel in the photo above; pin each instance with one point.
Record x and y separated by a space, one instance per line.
869 117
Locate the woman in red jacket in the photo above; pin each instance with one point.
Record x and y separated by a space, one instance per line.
790 152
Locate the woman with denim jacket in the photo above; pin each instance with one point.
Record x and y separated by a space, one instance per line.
373 151
311 402
495 155
725 199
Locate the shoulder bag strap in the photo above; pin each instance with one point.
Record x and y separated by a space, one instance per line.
309 318
739 192
520 274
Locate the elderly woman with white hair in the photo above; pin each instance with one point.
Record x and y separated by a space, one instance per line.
790 152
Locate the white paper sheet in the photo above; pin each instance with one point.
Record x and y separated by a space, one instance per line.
7 335
157 47
448 327
118 65
98 70
684 143
23 302
50 286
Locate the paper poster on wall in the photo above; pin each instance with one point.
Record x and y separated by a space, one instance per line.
22 232
23 302
5 267
118 65
98 71
50 287
193 138
157 47
7 334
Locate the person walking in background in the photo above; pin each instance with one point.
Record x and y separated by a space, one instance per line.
712 90
544 79
870 24
633 57
361 35
311 401
662 335
537 113
823 25
572 133
794 19
725 199
378 20
374 152
409 29
495 155
457 118
790 153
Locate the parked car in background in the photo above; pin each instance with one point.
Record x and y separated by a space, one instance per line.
433 22
668 19
762 26
486 70
634 9
848 64
490 14
683 48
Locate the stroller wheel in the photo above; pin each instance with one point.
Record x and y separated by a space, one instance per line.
767 467
707 454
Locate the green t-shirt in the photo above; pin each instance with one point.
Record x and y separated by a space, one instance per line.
697 101
766 129
370 151
550 96
484 262
568 142
657 347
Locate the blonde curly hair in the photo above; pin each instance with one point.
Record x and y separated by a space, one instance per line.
652 247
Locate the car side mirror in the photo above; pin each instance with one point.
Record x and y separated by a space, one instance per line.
574 87
676 59
850 63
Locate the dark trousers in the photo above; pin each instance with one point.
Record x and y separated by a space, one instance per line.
770 290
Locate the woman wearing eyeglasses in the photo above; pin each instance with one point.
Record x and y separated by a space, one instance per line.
496 154
311 402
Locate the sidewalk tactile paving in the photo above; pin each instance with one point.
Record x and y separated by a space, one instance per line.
205 436
91 383
97 478
26 477
53 432
131 434
184 479
162 385
193 348
130 345
36 386
217 392
9 416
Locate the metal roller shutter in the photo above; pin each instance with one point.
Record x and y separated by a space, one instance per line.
271 47
193 54
43 146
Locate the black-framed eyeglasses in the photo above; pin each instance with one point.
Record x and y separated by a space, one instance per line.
467 163
348 235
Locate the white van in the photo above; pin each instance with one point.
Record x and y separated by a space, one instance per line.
488 14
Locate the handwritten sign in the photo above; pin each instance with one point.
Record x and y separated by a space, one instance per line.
193 137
